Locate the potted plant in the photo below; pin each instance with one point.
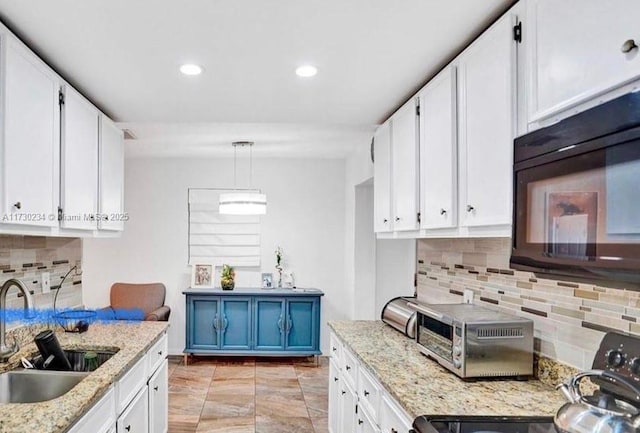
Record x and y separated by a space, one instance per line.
227 278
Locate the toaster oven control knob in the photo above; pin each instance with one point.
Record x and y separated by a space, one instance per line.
634 366
457 364
457 351
615 359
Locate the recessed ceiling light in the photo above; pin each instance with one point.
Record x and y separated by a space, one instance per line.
191 69
306 71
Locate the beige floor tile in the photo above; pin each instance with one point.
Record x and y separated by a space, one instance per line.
234 372
227 406
275 424
227 425
281 405
232 386
320 425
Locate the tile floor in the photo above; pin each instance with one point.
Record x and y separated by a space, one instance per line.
248 396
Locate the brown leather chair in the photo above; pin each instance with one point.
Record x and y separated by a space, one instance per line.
137 302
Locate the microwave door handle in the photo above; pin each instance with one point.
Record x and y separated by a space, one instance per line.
433 314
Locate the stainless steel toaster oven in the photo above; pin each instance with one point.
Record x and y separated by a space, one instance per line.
475 342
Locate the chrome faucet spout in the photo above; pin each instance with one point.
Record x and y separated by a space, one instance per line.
7 351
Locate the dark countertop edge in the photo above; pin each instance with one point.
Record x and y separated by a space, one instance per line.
248 291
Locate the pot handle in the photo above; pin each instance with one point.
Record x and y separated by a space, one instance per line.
571 388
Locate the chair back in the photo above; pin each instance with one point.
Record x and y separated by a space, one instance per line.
146 297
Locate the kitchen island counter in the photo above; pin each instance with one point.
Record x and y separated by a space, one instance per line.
130 339
422 387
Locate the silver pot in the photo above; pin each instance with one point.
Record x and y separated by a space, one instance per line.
597 414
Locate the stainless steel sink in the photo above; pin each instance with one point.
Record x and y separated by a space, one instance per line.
31 386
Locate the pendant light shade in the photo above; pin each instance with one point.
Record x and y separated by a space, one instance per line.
239 202
243 203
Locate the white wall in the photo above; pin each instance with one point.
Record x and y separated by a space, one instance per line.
395 269
365 254
359 169
305 216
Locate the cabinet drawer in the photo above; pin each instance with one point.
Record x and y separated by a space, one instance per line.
136 418
366 424
335 348
350 368
369 393
129 385
100 418
157 354
392 418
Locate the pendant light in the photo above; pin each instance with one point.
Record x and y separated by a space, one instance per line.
243 202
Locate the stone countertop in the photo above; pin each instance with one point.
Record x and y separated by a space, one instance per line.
252 291
132 339
422 387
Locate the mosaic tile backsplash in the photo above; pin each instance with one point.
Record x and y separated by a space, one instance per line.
27 257
570 318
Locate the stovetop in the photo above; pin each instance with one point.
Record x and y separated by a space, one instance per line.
483 424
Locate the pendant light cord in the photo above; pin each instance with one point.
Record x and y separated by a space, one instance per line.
250 165
235 169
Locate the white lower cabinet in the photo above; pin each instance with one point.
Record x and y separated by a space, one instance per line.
348 405
137 403
357 402
159 400
366 424
135 418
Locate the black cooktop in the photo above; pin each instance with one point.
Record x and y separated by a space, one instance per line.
483 424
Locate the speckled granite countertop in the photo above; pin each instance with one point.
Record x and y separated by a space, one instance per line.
57 415
422 387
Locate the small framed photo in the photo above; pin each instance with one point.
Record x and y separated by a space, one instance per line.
202 276
267 281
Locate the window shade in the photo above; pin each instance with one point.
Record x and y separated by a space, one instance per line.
221 239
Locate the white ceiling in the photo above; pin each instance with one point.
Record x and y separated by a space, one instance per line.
371 56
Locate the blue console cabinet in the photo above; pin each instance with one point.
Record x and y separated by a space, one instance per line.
276 322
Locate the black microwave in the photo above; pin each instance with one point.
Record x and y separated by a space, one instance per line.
577 197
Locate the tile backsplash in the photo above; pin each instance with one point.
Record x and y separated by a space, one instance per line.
27 257
570 318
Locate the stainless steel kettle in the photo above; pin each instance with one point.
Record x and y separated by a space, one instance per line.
601 413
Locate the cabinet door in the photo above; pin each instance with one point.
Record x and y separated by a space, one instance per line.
365 423
111 185
392 418
159 400
203 322
487 92
269 322
302 323
404 172
348 403
235 317
438 150
334 397
575 51
79 167
31 138
135 419
382 179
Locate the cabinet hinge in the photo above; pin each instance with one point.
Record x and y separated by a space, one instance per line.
417 110
517 32
356 408
60 98
418 216
59 213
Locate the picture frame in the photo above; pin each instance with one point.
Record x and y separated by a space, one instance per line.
203 275
267 280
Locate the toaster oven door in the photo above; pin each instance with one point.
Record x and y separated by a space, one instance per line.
436 335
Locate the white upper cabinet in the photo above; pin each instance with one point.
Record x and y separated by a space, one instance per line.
577 50
438 148
30 138
404 167
111 192
382 178
79 167
486 92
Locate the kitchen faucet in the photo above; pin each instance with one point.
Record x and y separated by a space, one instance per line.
6 351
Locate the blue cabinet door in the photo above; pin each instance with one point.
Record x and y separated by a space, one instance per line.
302 324
268 327
203 322
235 318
